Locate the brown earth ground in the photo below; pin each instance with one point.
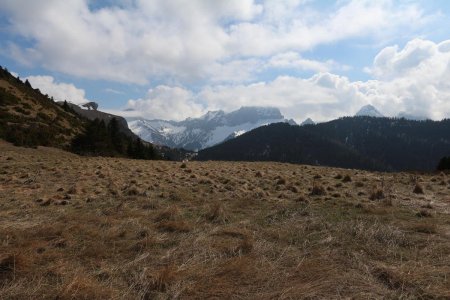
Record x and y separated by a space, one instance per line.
105 228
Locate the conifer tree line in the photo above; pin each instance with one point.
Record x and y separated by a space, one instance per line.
104 139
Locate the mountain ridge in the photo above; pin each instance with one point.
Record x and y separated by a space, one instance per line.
212 128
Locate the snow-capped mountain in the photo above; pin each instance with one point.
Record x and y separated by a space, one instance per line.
368 111
210 129
308 121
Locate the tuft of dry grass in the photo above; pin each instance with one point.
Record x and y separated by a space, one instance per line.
171 213
317 190
418 189
428 228
423 214
377 194
347 178
217 214
8 266
174 226
281 181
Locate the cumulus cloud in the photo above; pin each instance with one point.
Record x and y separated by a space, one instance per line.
392 62
322 96
58 90
225 49
414 80
187 40
170 103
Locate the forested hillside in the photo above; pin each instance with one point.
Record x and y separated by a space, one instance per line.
352 142
29 118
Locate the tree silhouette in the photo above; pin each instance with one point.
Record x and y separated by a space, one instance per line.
444 164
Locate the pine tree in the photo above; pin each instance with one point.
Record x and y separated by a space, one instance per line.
116 136
27 83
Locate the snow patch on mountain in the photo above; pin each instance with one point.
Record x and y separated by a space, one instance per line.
308 122
239 132
208 130
369 111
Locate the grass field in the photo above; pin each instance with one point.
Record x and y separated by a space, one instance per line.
106 228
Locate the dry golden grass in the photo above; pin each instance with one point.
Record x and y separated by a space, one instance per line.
107 228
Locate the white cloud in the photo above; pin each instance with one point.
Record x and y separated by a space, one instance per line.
321 97
58 90
188 40
113 91
170 103
227 46
239 70
414 80
293 60
286 27
392 63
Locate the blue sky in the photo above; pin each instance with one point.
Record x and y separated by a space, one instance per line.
174 59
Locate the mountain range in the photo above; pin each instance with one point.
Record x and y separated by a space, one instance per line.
215 127
210 129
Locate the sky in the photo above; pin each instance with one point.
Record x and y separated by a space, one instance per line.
174 59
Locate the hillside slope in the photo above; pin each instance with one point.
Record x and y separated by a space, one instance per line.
351 142
103 116
285 143
29 118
